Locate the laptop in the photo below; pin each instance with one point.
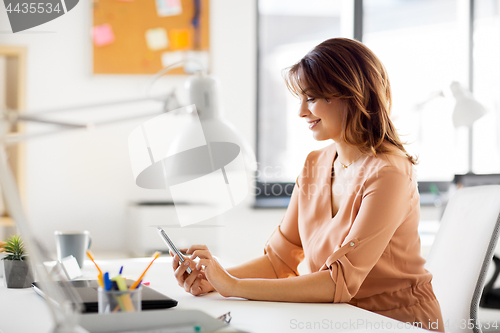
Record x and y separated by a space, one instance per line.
87 290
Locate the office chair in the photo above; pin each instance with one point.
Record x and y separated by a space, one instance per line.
461 253
491 296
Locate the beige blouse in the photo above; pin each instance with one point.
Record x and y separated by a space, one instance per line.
371 246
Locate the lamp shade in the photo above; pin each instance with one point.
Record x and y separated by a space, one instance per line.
216 131
467 109
206 163
203 92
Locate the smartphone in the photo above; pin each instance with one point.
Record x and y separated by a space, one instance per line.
172 247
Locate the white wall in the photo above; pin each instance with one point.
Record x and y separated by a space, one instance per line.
83 180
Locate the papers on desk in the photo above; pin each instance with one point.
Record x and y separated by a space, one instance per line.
153 321
67 267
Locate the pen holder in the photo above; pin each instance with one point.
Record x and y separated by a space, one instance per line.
119 301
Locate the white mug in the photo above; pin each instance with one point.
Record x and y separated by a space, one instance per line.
73 243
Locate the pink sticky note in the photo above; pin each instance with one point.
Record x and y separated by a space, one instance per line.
103 35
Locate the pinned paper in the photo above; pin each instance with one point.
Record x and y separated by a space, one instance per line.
156 39
168 7
179 39
196 61
170 58
103 35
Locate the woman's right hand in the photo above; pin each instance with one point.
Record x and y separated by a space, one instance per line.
195 283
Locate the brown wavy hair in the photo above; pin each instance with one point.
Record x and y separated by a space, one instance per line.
346 69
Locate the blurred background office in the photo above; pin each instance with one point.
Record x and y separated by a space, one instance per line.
82 180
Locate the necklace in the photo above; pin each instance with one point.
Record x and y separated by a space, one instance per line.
345 166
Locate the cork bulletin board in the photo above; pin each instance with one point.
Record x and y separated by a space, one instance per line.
144 36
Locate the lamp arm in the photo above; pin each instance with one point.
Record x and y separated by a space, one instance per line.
50 122
12 118
434 95
167 69
160 98
14 138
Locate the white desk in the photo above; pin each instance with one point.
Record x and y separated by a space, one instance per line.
22 310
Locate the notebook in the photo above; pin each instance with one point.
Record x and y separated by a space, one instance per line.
87 290
154 321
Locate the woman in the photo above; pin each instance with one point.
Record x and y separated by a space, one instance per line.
354 211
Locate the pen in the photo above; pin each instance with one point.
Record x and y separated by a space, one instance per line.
120 282
136 283
124 301
107 281
99 276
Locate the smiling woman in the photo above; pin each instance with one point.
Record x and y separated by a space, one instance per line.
324 116
354 211
354 84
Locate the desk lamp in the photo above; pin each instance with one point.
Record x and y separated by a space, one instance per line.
205 164
467 110
66 316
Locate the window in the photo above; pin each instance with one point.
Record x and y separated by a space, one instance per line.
424 46
288 29
486 85
424 49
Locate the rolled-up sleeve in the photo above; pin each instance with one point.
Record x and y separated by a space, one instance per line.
386 202
285 256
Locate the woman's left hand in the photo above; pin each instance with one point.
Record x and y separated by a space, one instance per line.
218 277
